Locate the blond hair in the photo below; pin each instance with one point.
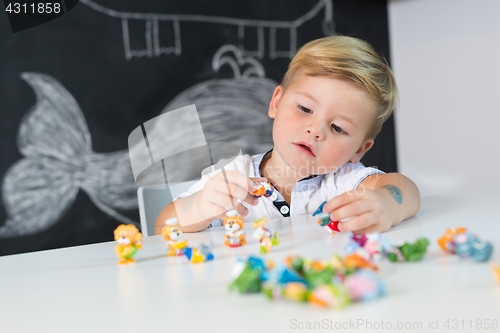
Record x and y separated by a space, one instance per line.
353 60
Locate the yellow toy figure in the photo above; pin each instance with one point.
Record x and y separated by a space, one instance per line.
233 223
129 240
266 238
172 233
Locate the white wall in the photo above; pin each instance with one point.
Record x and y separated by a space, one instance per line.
446 59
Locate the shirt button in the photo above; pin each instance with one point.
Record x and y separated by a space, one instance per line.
273 196
284 209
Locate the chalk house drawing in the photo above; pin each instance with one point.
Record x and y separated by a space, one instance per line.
153 47
58 160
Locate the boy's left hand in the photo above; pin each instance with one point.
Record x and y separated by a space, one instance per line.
371 211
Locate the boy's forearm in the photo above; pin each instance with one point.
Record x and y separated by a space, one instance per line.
185 210
403 195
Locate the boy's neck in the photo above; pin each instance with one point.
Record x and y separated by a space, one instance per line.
279 174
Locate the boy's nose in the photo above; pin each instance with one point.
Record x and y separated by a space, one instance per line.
316 130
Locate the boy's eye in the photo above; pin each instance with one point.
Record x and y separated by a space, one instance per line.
338 129
303 109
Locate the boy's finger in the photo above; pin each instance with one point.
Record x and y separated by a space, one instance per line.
358 223
232 189
355 208
252 200
340 200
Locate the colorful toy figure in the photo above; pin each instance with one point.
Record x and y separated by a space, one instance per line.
466 244
264 189
324 219
369 246
409 252
446 242
265 237
129 240
233 223
364 285
172 234
201 254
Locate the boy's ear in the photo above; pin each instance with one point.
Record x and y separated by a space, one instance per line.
361 151
275 101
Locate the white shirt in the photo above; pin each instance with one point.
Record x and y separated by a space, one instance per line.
307 194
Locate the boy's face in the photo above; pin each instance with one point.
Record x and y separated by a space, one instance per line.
320 124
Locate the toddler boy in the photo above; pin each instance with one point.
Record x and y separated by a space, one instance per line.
331 104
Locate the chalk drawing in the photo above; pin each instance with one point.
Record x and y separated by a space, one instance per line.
58 161
152 39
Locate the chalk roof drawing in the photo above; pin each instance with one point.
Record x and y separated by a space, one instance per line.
152 26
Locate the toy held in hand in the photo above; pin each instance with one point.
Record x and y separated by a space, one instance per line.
265 236
466 244
264 189
324 219
233 223
172 234
129 240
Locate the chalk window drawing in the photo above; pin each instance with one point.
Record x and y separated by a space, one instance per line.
152 33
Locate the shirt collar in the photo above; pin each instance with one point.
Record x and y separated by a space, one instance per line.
302 185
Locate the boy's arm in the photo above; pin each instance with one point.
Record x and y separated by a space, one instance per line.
185 210
380 202
404 193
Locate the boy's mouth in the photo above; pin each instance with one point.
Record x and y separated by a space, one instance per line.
305 148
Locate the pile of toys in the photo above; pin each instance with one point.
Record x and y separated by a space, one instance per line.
333 283
466 244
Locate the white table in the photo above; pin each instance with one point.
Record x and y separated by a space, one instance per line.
82 289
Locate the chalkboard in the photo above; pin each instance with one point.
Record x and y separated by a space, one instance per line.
73 89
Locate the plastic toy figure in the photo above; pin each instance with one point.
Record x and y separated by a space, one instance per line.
496 272
265 189
324 219
265 237
129 240
446 242
368 246
201 254
466 244
233 223
172 234
410 252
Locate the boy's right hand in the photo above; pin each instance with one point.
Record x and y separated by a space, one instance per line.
226 191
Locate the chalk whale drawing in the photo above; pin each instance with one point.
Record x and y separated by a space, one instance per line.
58 160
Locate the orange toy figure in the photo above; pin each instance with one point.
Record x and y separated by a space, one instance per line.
233 223
266 238
354 261
172 233
446 242
496 272
129 240
264 189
